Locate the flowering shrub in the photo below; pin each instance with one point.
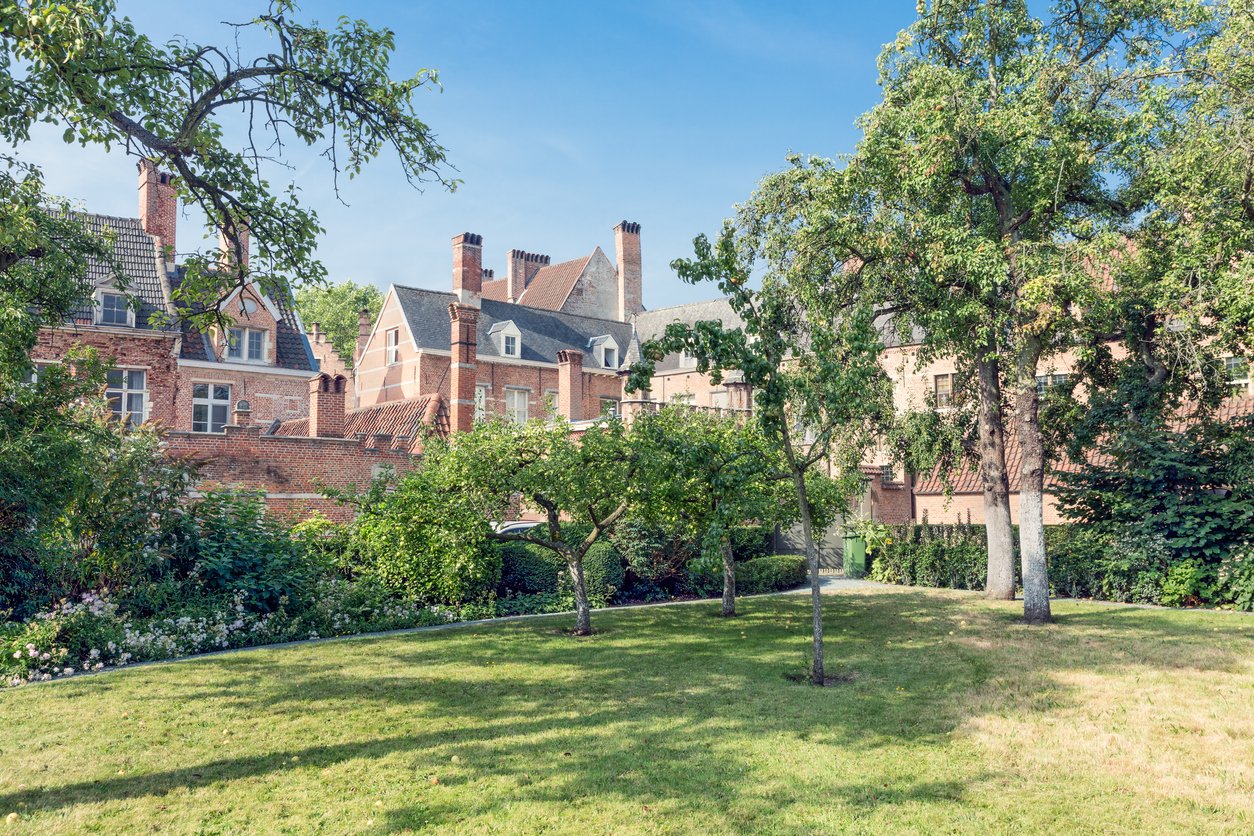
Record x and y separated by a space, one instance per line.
91 633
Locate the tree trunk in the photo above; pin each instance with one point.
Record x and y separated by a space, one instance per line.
729 579
583 612
1031 497
817 676
1000 583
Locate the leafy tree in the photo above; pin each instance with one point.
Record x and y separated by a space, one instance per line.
82 67
710 475
336 308
582 486
812 361
983 202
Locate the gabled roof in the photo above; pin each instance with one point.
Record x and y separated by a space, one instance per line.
136 253
544 332
553 283
292 349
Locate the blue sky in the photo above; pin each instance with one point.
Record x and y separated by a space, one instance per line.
562 119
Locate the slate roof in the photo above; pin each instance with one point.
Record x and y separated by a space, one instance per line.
652 324
414 418
292 349
544 332
136 253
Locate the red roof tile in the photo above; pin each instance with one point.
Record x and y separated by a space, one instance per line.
553 284
415 418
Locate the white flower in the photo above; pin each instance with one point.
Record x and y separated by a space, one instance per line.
17 654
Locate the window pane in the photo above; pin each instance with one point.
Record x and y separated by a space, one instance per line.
115 404
135 404
135 380
219 418
256 339
221 392
114 378
200 390
233 347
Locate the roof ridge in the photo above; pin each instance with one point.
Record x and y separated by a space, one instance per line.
686 305
558 313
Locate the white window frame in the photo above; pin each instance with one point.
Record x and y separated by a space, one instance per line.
100 301
392 346
244 344
609 357
209 402
550 404
944 400
687 360
481 402
512 411
506 335
125 392
1240 385
1045 382
610 407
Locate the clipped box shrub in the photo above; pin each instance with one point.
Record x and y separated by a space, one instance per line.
528 569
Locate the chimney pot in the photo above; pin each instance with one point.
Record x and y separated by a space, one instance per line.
158 207
468 268
630 279
326 406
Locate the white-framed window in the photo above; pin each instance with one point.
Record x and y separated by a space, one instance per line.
114 309
481 402
511 346
392 346
1045 382
550 401
610 357
516 403
1238 369
609 407
246 344
718 399
684 398
687 360
943 388
36 372
211 406
126 390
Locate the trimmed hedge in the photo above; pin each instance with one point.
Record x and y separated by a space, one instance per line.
953 556
528 569
774 573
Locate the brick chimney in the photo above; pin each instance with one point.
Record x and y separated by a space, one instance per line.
326 406
242 414
158 206
464 339
468 268
570 384
520 268
364 326
228 251
627 251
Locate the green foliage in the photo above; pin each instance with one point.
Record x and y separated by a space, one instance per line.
335 308
655 558
773 573
426 543
933 555
326 543
219 118
1184 483
239 548
1236 577
527 569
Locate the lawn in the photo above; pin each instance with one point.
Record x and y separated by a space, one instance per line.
670 719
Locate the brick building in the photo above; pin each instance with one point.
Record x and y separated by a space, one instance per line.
172 374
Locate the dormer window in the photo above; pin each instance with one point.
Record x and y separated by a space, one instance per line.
605 349
247 344
507 337
114 309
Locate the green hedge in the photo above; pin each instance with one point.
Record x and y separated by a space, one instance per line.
774 573
528 569
953 556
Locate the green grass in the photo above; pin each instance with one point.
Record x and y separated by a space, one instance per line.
670 719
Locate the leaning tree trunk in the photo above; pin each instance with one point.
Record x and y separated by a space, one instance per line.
1000 583
1031 497
583 612
729 578
816 592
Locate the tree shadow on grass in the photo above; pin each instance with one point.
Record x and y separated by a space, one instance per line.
648 711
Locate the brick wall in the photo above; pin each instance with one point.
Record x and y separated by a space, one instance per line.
292 471
970 506
889 500
131 348
271 395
